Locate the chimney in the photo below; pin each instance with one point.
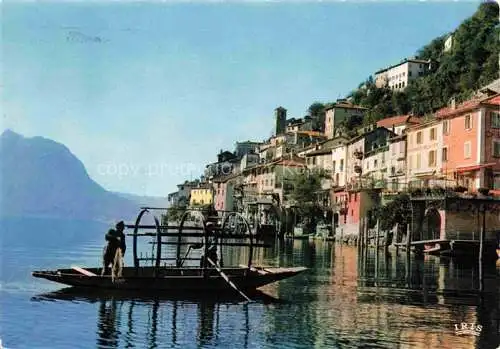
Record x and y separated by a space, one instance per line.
453 103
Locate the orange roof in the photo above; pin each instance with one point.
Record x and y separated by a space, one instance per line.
312 133
397 120
289 163
468 105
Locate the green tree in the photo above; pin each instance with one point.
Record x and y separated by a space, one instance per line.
317 113
306 186
394 212
174 213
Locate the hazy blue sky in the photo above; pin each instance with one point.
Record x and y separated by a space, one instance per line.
145 94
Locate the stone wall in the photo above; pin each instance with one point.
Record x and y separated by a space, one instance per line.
466 225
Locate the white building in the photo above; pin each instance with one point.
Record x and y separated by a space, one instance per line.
398 75
448 44
339 164
424 154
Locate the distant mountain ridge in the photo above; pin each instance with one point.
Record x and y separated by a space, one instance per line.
42 178
145 201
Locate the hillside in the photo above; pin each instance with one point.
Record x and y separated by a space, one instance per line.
473 62
42 178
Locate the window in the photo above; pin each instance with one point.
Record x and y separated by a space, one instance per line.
337 179
495 119
409 73
394 149
446 127
468 122
334 163
496 148
375 162
419 137
432 158
341 165
467 150
433 134
444 154
420 73
418 161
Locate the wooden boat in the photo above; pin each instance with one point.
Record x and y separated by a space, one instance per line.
208 276
172 279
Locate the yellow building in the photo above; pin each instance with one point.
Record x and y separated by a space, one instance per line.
201 195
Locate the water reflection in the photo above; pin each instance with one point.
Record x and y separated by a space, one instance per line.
346 300
130 320
385 300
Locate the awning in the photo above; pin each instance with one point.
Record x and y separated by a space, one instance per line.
474 167
426 174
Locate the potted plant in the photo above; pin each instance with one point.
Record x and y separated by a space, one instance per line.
460 189
415 192
358 154
483 191
438 191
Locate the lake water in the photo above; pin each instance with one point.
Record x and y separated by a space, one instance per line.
343 301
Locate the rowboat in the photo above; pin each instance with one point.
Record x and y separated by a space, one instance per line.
208 276
171 279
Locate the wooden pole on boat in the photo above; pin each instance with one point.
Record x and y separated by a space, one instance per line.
226 278
158 244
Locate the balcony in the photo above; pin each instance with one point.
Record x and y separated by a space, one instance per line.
366 184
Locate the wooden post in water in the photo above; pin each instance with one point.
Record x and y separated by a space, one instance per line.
408 260
481 249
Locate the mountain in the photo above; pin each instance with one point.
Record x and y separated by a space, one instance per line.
42 178
149 201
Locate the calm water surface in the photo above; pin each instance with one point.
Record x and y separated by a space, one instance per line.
344 301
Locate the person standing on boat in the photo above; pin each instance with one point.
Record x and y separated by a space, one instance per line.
115 239
120 226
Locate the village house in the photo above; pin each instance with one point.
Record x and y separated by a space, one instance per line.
396 156
201 195
226 164
425 154
471 143
397 76
339 112
364 180
224 192
182 195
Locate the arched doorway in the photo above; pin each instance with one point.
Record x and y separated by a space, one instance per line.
431 227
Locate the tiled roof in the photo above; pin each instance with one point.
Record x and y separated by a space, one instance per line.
402 62
398 120
289 163
468 105
345 105
223 179
494 86
312 133
319 152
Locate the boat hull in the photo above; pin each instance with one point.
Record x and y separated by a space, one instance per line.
170 279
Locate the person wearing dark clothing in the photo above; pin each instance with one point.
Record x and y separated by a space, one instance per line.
115 239
119 230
